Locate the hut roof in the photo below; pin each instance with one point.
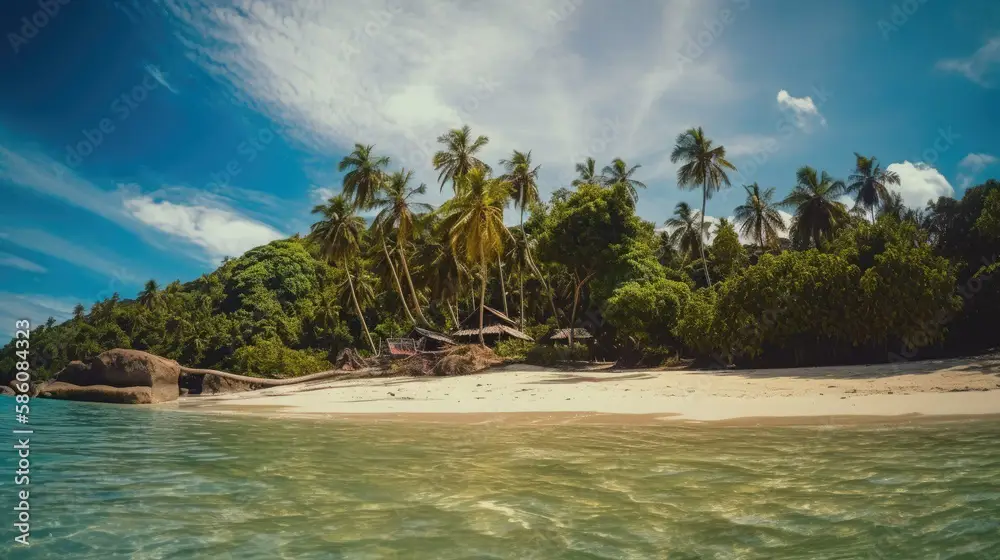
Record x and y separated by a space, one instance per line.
472 321
492 329
577 333
418 332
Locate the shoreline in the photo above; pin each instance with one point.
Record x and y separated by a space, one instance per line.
908 392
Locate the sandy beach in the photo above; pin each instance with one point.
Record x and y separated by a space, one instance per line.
941 388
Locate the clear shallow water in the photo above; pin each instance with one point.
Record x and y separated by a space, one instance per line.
117 482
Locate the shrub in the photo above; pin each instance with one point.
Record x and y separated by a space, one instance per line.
513 349
647 312
270 358
546 355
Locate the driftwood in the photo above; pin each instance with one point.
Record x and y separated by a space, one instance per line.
264 381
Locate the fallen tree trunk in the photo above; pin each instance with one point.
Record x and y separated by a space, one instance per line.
264 381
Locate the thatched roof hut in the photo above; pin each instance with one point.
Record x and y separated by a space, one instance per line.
578 334
496 326
429 341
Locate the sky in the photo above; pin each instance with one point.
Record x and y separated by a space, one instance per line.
150 139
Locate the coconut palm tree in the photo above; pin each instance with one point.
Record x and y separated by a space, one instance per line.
758 217
587 174
619 173
683 229
150 296
818 213
79 311
476 225
365 176
396 201
459 155
893 206
380 235
704 166
870 183
523 180
338 234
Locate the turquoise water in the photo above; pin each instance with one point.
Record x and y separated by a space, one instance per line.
117 482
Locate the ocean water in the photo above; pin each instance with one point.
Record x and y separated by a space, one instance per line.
119 482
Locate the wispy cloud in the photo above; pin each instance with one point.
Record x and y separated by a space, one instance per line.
35 308
47 244
802 109
13 261
160 77
975 163
399 74
205 223
979 67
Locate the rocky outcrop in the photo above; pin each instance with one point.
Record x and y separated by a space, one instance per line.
118 376
213 384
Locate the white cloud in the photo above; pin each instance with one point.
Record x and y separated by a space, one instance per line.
979 67
319 195
977 162
160 77
531 74
219 231
750 144
920 183
13 261
802 108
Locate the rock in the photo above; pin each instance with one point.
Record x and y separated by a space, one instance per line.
218 385
143 378
5 390
97 393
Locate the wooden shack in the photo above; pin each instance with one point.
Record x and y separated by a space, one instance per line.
429 341
496 326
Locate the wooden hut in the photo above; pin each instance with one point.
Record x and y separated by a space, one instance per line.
429 341
496 326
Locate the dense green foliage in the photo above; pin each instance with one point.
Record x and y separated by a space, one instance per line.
873 283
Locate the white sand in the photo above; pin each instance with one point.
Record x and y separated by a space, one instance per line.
932 388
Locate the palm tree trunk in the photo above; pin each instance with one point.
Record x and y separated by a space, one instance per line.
399 287
760 234
572 320
454 313
520 270
357 309
413 291
503 286
482 304
545 284
701 234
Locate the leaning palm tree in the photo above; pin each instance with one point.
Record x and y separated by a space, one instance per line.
364 178
758 217
818 213
397 214
587 174
870 183
619 173
338 234
150 296
704 166
684 227
523 180
476 225
459 155
379 235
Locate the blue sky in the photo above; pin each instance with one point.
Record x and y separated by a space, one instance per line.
149 139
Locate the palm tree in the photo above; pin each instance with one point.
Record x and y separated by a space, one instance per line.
363 181
523 179
893 206
476 220
339 234
618 173
869 183
459 155
150 296
704 166
78 312
684 227
381 236
397 214
587 174
758 216
818 213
